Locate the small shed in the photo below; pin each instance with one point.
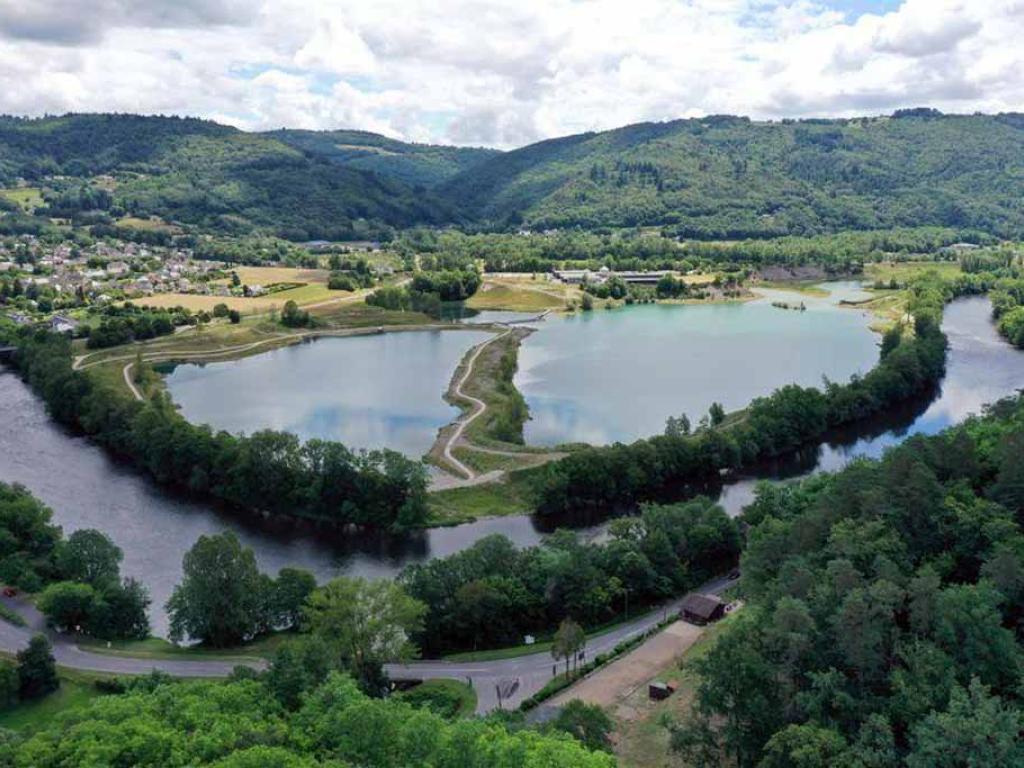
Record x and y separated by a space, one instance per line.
702 609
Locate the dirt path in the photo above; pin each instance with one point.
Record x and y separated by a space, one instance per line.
478 408
611 685
127 373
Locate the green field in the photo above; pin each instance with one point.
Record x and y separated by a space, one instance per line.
29 198
76 690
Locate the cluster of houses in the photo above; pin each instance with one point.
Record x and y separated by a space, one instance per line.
131 269
604 274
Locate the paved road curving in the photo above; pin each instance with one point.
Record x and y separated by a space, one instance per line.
529 673
68 654
532 672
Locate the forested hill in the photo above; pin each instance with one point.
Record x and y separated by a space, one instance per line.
729 177
201 173
710 178
420 165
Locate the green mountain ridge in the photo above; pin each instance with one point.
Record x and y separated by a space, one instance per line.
730 177
718 177
216 177
419 165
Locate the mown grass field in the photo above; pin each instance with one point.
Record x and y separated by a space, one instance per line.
522 295
271 275
146 225
158 648
304 295
512 496
906 270
76 690
28 198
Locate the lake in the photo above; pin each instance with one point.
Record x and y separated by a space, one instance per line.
87 489
376 391
617 375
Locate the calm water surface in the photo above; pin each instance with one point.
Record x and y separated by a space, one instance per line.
378 391
617 375
86 489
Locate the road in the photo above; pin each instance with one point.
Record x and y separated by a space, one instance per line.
528 673
68 654
532 672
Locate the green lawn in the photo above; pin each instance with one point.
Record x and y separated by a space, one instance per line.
76 690
460 505
158 648
29 198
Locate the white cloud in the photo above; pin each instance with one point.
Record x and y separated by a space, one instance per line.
503 72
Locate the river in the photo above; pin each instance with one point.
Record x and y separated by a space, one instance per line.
86 489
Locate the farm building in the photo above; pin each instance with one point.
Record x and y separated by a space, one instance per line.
702 609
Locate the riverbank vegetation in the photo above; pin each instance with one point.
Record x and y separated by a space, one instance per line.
493 594
269 471
78 578
883 624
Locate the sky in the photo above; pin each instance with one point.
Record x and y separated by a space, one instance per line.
506 73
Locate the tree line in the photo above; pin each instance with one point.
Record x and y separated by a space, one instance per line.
267 471
884 619
78 578
492 594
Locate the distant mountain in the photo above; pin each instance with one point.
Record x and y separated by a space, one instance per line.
729 177
419 165
716 177
213 176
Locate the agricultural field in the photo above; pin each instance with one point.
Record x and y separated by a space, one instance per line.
29 198
313 293
153 224
523 294
903 271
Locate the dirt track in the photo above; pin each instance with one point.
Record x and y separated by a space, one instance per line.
608 687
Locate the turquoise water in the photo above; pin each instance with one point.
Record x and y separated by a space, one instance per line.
617 375
377 391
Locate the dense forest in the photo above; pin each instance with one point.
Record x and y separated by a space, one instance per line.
204 174
730 178
249 723
884 621
418 165
710 178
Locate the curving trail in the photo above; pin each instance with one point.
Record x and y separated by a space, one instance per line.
478 408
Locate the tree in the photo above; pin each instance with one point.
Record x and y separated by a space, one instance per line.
220 600
9 687
292 316
587 723
234 316
368 623
121 612
69 606
221 310
37 669
290 591
569 640
90 556
977 729
677 426
717 414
